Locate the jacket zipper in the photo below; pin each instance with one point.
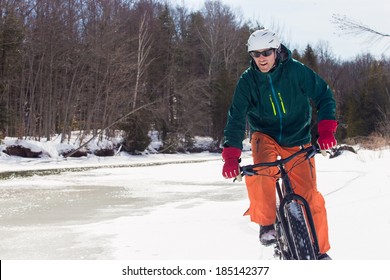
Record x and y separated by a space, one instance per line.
281 102
277 107
273 105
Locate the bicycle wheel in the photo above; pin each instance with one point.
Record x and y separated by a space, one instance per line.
281 249
300 234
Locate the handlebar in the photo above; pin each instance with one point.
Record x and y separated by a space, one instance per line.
310 151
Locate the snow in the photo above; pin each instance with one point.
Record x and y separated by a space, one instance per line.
158 207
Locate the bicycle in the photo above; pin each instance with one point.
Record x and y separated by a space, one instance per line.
296 237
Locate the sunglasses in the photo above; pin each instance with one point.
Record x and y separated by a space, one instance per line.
263 53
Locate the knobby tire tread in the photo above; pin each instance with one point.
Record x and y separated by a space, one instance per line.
299 232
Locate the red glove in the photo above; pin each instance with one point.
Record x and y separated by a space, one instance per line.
326 131
231 157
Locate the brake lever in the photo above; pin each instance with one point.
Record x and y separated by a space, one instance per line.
246 172
238 178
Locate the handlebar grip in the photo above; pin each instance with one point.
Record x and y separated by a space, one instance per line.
323 152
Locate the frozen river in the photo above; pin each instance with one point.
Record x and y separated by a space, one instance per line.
95 214
180 211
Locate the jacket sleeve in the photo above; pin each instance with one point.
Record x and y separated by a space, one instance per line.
234 131
319 91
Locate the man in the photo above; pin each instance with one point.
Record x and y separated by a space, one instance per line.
273 95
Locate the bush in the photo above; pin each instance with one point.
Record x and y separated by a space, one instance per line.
18 150
374 141
171 144
177 143
136 138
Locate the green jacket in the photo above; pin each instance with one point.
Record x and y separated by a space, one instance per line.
277 103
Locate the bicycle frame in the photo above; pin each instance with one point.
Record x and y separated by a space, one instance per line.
286 196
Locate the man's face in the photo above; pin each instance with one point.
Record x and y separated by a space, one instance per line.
264 59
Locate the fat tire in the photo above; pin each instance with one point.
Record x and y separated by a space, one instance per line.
282 251
299 232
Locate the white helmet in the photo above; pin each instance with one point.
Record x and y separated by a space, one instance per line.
263 39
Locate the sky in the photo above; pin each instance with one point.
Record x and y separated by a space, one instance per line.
179 214
310 21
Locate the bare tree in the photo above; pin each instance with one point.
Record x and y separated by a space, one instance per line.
222 45
384 123
355 27
144 46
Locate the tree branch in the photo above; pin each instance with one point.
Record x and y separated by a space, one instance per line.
112 124
353 27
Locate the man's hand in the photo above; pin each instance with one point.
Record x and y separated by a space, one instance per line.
231 157
326 131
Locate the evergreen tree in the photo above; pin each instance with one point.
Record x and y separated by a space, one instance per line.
309 58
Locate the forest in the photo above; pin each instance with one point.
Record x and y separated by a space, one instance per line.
137 66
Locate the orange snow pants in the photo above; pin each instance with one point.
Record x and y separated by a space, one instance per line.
261 189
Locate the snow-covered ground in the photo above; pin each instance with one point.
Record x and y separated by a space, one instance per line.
183 210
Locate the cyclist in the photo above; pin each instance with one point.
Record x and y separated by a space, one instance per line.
274 94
